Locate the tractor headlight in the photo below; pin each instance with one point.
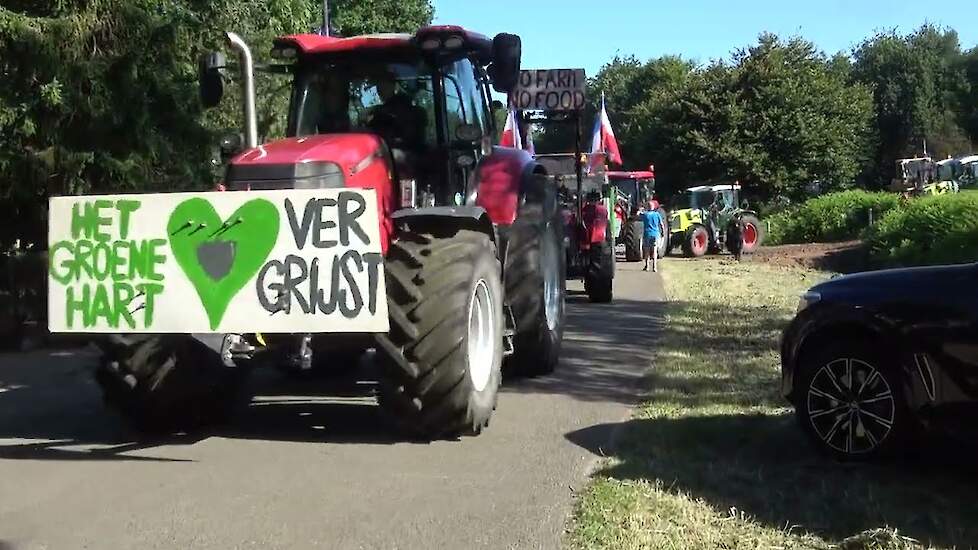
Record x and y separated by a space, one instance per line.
808 299
431 44
453 42
318 175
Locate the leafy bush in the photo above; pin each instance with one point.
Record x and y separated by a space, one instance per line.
832 217
932 230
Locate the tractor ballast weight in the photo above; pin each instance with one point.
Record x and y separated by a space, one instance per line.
701 220
470 232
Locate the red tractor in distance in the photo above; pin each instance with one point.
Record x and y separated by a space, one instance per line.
635 190
471 233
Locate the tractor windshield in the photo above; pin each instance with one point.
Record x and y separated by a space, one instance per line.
393 99
633 190
694 199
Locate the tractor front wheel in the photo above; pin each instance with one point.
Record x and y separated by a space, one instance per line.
169 384
441 361
664 233
697 242
634 231
600 275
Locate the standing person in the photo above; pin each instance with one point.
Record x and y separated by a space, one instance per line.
652 221
735 236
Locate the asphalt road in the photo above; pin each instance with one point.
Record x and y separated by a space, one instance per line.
310 464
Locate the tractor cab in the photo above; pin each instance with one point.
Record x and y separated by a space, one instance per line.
407 115
705 197
913 175
635 189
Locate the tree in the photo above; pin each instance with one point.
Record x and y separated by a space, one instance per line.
102 96
777 116
917 82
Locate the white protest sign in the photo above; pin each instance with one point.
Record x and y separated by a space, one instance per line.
235 262
550 90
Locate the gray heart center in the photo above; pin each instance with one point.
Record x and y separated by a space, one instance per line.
216 257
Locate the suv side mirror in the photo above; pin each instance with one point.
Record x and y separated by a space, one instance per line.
210 79
507 50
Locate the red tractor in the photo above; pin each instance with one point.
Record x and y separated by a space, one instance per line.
471 232
635 190
585 202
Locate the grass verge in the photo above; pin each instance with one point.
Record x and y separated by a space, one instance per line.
714 458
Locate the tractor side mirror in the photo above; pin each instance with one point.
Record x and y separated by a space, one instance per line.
210 79
507 50
744 205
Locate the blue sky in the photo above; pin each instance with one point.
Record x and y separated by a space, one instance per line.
587 33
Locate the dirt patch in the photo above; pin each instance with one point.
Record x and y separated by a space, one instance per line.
845 257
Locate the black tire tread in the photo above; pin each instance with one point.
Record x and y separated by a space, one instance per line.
634 232
422 391
170 383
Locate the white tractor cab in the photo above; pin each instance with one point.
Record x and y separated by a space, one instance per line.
922 176
959 172
701 215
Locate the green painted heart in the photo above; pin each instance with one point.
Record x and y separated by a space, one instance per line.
220 257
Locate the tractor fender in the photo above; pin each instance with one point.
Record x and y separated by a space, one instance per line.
500 183
595 226
469 217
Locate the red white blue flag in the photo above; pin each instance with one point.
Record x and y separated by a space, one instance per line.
511 132
603 141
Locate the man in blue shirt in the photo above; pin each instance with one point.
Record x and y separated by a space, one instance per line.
653 232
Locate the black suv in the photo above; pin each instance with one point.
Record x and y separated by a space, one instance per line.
870 357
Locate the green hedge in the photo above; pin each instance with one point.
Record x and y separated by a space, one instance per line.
832 217
927 231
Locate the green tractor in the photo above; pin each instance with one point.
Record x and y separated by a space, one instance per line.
701 215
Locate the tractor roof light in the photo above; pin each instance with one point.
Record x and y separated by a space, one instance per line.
287 52
454 42
431 44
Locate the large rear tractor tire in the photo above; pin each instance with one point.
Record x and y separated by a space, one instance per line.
753 234
696 242
664 233
634 231
600 275
169 384
441 361
536 287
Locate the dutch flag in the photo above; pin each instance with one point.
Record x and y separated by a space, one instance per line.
603 141
511 132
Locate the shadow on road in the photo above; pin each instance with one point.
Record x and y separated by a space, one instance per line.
605 351
51 400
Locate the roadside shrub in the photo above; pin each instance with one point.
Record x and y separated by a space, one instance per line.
928 231
831 217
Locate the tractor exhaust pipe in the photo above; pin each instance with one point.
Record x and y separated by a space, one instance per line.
248 83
